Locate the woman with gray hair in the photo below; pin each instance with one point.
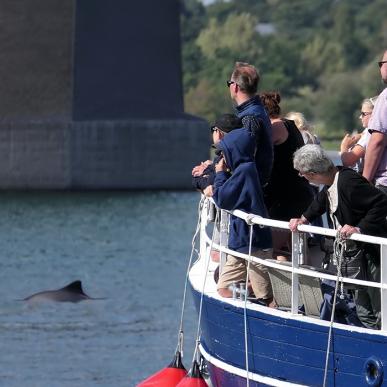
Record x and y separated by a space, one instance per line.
353 206
312 158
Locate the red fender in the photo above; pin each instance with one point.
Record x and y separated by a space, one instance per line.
167 377
194 378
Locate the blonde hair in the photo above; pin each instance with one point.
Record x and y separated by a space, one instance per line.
370 102
303 126
299 119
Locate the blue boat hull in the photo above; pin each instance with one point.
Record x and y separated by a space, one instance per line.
220 377
282 349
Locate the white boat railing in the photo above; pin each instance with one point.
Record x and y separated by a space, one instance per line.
297 254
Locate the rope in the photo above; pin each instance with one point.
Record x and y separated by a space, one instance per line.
248 221
202 294
180 338
338 251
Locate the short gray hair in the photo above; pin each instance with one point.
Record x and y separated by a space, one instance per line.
312 158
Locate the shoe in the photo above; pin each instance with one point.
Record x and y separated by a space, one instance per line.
271 302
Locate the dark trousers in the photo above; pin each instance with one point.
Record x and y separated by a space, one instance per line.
382 188
367 299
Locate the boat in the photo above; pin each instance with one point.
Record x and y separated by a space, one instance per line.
244 343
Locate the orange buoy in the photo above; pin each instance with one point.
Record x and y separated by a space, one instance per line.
167 377
194 378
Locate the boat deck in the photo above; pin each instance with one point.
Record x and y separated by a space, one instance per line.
197 280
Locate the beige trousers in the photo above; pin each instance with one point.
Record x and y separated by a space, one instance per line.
234 271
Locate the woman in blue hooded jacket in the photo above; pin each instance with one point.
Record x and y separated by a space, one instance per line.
237 187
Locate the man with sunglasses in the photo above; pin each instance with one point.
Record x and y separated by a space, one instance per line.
375 164
243 86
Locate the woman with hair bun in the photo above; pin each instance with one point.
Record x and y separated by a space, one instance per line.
287 193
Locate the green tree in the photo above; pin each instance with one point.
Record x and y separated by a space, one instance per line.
352 50
317 59
207 101
321 54
339 98
236 34
370 82
193 20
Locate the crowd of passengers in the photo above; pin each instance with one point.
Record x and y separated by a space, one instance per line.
274 166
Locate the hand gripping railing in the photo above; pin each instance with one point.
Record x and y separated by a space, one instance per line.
297 255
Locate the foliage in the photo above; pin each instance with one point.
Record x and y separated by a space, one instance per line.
320 54
338 93
236 34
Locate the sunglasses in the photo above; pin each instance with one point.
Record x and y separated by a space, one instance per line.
382 63
229 83
214 129
363 114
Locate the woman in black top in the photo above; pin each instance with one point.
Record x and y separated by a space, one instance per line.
287 194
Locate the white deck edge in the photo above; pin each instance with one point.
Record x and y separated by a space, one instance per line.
196 279
242 373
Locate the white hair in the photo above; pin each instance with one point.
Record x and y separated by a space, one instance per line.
312 158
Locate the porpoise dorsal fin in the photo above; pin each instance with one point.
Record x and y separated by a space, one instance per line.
74 287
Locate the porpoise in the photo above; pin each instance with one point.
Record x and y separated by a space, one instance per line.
73 292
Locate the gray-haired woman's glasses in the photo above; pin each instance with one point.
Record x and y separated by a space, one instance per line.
302 174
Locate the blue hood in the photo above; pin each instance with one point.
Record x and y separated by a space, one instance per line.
241 191
238 147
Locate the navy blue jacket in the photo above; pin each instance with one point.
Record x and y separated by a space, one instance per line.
255 119
207 177
241 191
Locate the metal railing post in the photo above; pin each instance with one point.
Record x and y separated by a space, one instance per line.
303 239
296 239
223 236
203 224
383 280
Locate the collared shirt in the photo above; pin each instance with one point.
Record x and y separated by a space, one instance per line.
333 199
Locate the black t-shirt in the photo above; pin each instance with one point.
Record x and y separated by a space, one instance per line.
287 192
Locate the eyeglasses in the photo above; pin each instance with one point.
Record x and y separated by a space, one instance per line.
214 129
382 63
302 174
229 83
363 114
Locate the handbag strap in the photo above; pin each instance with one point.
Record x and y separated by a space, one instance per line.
339 247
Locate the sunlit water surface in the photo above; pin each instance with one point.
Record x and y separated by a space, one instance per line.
131 249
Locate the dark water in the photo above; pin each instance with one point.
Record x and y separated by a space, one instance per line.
132 249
